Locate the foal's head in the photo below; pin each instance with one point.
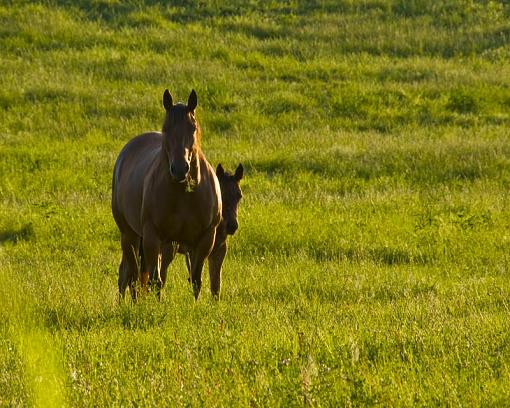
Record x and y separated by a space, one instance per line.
181 135
230 196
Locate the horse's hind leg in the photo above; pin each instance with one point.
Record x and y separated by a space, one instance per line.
128 269
123 279
152 256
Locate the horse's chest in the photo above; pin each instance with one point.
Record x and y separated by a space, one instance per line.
184 222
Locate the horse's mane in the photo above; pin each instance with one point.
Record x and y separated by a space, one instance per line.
198 133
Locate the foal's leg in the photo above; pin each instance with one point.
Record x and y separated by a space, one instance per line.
198 256
215 262
128 269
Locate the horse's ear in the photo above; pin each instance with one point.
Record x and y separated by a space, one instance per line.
239 172
220 172
192 101
167 100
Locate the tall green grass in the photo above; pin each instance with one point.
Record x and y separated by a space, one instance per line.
371 264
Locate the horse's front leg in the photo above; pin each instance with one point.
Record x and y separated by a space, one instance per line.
169 251
158 281
215 262
152 257
198 257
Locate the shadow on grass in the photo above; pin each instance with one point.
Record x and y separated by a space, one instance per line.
336 292
378 255
382 293
261 245
187 11
268 20
118 13
13 236
416 165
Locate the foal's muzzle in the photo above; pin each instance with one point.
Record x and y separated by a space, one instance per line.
179 172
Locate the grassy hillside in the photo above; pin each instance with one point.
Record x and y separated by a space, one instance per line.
371 266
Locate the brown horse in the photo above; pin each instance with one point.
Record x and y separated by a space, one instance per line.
230 196
165 191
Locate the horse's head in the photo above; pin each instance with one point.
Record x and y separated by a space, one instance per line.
230 195
181 135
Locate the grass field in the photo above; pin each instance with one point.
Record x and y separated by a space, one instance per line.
371 266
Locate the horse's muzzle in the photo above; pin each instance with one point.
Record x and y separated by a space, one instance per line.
179 173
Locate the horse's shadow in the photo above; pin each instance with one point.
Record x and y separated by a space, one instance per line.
13 236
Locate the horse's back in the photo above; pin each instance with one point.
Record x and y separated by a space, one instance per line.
130 169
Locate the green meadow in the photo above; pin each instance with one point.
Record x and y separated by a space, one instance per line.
372 262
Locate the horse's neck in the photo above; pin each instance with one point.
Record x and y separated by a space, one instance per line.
162 160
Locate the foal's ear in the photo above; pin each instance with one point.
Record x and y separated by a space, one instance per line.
192 101
167 100
220 172
239 172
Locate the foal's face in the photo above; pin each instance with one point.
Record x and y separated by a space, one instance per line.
180 135
231 196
